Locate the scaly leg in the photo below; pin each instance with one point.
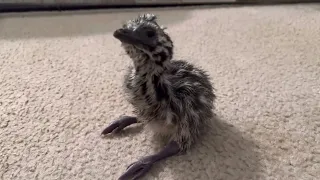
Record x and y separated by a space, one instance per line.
138 169
117 125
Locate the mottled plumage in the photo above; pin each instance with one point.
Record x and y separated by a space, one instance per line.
173 97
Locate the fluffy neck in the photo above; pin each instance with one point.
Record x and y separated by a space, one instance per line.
149 63
149 69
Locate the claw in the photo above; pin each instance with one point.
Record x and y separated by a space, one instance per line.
110 128
130 166
136 170
117 125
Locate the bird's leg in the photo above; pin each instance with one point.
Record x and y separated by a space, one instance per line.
119 124
138 169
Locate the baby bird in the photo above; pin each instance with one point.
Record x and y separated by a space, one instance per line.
173 97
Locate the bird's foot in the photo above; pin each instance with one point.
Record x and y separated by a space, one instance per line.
137 169
119 124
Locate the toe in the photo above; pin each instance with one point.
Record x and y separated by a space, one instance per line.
136 170
130 166
110 128
141 172
119 128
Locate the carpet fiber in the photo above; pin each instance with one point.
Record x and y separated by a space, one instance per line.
60 85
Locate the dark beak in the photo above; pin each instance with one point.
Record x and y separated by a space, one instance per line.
122 33
126 36
132 37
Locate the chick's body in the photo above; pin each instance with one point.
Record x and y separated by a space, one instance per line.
176 102
173 97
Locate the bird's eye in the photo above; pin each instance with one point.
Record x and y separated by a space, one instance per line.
150 33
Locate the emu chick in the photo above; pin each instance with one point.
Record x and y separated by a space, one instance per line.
172 97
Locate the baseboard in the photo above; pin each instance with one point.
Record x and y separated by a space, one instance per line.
25 7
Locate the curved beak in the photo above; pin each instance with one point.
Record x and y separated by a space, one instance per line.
126 36
132 37
122 33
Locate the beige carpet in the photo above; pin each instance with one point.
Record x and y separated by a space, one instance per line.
60 85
